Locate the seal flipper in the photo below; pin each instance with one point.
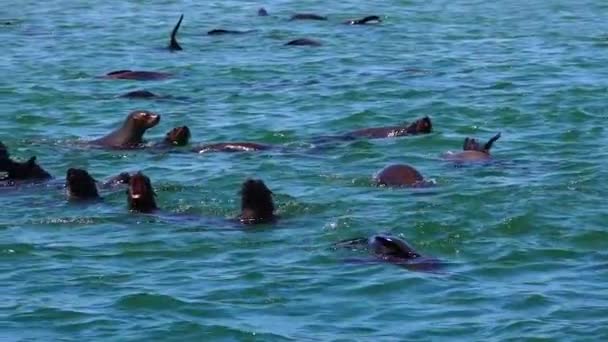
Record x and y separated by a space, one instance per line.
488 145
174 45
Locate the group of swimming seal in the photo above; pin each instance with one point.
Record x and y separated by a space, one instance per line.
257 205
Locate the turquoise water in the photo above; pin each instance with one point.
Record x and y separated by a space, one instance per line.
524 240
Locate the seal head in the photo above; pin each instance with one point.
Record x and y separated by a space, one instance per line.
256 203
385 246
399 175
178 136
130 134
80 185
140 194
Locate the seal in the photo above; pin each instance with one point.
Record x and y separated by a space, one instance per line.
12 170
370 19
472 151
178 136
80 185
137 75
130 134
262 12
122 179
307 16
387 248
140 194
303 42
139 94
256 203
420 126
173 44
217 32
400 175
231 147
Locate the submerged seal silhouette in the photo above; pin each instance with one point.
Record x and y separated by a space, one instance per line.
303 42
137 75
130 134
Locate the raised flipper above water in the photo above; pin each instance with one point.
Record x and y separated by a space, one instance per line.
173 44
472 151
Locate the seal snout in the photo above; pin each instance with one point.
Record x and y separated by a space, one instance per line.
146 118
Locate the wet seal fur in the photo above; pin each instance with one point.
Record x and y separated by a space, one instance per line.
140 194
473 151
262 12
130 134
80 185
420 126
303 42
387 248
370 19
139 94
400 175
12 170
231 147
173 44
217 32
257 205
136 75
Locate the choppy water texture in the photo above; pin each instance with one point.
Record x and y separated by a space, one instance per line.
524 240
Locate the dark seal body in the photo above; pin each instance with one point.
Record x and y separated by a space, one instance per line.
399 175
137 75
307 16
218 32
262 12
303 42
139 94
231 147
12 170
370 19
130 134
420 126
